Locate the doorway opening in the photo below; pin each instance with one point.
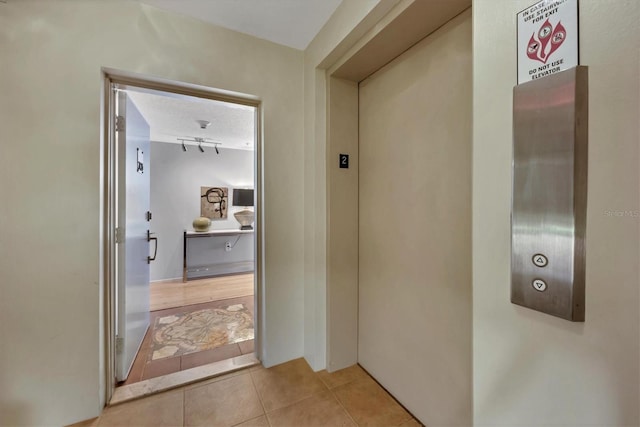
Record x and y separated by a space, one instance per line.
182 228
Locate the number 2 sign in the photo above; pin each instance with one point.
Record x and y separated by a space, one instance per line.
344 161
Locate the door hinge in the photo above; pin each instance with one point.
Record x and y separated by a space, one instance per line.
120 123
119 235
149 216
119 344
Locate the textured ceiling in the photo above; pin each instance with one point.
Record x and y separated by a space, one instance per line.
171 117
292 23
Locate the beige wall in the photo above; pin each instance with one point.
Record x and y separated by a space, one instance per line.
342 225
531 369
52 53
351 20
415 226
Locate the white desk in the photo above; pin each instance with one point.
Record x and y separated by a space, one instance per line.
191 234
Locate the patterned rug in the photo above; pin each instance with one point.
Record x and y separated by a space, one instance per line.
194 331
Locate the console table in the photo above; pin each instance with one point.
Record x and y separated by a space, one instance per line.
191 234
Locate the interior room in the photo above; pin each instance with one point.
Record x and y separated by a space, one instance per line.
201 168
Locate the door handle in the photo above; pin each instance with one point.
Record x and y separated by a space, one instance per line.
155 251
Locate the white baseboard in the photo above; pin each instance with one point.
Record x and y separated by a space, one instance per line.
213 270
220 269
166 280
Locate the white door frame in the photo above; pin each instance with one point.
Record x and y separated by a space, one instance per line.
109 170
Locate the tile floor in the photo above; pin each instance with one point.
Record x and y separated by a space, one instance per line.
290 394
143 368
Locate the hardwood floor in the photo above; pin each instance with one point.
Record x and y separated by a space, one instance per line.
178 294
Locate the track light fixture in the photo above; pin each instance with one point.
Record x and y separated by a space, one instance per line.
199 141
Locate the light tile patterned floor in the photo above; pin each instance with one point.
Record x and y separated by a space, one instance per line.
290 394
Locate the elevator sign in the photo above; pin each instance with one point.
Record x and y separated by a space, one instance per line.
547 39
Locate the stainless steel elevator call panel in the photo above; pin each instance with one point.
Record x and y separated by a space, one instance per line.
549 199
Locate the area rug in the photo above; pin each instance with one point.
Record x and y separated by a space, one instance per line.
200 330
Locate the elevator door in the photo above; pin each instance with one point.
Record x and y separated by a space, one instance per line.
414 332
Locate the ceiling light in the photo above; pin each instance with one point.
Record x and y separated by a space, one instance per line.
203 123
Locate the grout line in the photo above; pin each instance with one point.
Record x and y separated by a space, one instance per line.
264 410
185 378
291 403
184 406
251 419
300 400
342 406
323 381
411 416
142 371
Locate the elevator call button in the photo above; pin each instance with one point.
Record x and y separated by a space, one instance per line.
539 285
540 260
